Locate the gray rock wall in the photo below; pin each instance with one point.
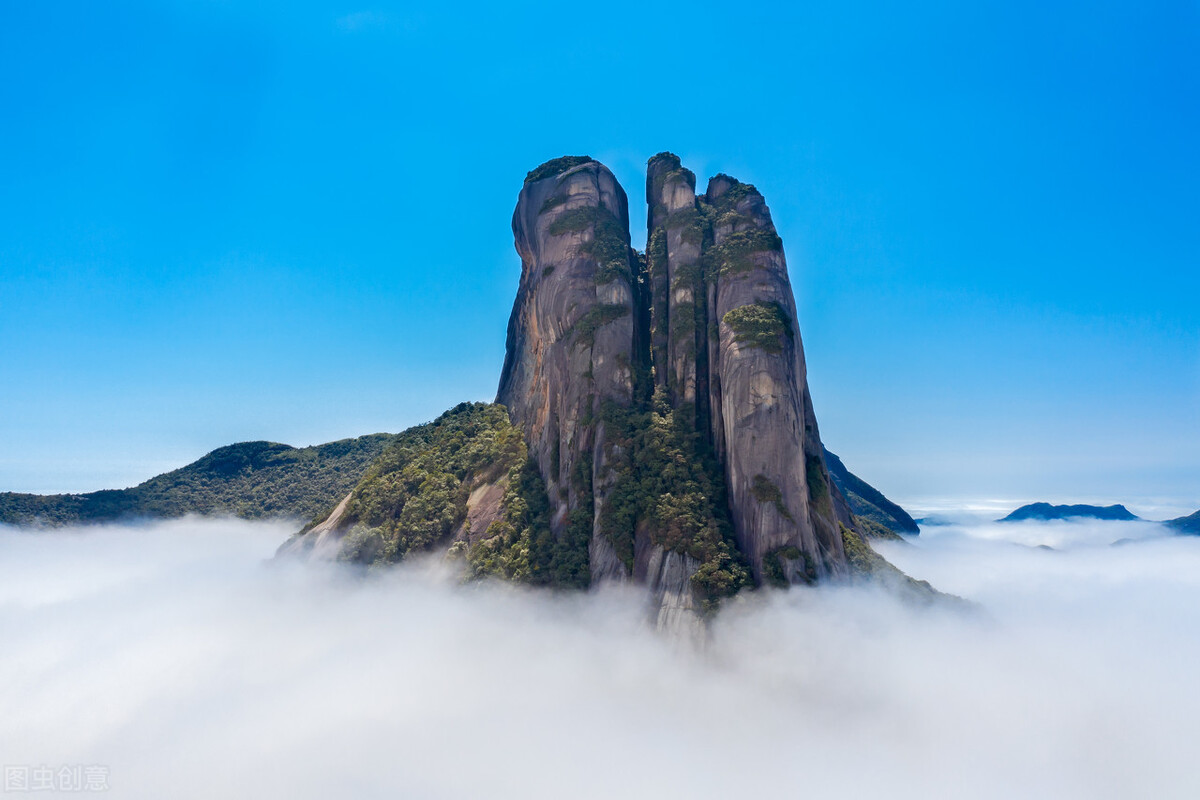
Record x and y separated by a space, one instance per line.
712 319
571 335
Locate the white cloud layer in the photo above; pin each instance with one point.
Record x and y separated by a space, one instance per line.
175 656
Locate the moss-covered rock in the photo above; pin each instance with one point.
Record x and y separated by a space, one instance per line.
555 166
763 324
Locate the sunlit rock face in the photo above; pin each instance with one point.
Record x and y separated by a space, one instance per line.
653 423
699 337
571 337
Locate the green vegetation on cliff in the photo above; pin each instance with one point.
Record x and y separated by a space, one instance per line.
765 491
414 499
733 254
524 529
667 483
867 565
762 324
253 480
868 503
596 318
774 569
555 166
609 246
415 494
735 194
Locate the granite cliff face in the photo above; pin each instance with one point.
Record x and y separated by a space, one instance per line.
571 338
703 334
653 423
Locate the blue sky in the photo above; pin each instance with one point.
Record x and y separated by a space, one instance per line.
291 222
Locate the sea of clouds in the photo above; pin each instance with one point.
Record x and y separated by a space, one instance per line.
179 659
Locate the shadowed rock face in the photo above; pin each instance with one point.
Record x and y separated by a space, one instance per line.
709 326
678 289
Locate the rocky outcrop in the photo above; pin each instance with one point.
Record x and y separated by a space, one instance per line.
697 344
322 540
653 422
571 344
1189 525
779 487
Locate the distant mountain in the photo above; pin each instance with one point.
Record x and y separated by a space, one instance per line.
868 502
1046 511
253 480
1189 525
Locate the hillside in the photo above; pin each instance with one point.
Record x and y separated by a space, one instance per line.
253 480
653 423
868 502
1186 525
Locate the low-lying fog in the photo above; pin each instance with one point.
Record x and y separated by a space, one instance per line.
174 657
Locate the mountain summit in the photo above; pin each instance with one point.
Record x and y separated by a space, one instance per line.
653 423
697 338
659 428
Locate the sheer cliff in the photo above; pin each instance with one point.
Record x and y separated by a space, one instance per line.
653 422
700 339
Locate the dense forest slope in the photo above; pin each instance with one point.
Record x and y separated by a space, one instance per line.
253 480
868 502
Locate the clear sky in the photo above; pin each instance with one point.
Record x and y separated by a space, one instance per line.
290 221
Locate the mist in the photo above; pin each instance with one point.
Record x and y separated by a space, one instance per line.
179 657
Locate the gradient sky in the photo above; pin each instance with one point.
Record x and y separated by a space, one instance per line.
292 223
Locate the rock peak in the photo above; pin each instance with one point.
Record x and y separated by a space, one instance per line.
556 166
664 396
653 422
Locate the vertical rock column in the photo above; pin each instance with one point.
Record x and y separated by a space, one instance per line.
784 509
570 338
678 285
